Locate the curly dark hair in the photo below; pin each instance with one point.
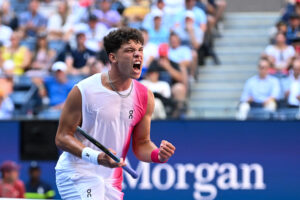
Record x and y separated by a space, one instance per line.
114 40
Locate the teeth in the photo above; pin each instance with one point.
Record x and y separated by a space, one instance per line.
137 63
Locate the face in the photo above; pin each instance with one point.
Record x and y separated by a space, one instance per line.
174 41
11 176
34 5
42 42
60 76
105 5
263 68
128 59
93 23
35 174
190 3
157 21
280 39
81 39
295 22
145 36
296 68
62 7
161 5
15 39
189 20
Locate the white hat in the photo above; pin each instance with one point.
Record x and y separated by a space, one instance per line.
156 13
190 14
59 66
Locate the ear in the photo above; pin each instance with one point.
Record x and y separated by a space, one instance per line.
112 58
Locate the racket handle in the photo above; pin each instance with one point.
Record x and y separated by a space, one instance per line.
131 172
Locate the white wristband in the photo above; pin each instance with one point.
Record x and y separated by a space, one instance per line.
90 155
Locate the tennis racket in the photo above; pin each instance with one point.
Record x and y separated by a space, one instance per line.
105 150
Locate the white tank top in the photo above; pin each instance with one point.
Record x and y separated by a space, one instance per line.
108 118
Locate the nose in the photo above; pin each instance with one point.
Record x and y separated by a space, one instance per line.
137 54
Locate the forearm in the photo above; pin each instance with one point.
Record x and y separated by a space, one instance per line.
69 143
193 39
175 74
143 150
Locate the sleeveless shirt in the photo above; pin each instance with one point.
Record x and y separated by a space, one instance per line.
110 119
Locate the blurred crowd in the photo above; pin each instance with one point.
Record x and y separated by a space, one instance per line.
47 46
275 91
11 186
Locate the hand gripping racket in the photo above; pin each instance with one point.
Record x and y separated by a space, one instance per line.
105 150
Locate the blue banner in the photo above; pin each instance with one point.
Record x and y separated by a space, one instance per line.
228 160
221 160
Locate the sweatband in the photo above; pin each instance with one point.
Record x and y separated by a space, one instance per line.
90 155
154 156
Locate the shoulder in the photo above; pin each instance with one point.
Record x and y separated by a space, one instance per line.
270 47
272 79
142 90
252 80
90 80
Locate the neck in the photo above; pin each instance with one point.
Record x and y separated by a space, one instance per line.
119 83
81 47
262 76
281 45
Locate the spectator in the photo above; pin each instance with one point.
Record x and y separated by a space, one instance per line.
5 31
171 10
19 6
55 88
94 32
60 24
136 12
293 28
280 55
296 45
35 187
6 105
9 17
160 89
281 27
31 21
157 33
189 33
148 20
111 18
10 184
183 55
292 91
292 7
48 7
150 51
79 57
43 57
260 91
172 73
19 55
200 18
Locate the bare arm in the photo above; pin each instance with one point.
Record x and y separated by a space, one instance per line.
69 120
142 144
177 75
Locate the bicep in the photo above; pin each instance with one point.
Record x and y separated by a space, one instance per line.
141 134
71 113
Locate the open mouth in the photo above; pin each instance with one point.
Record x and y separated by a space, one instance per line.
137 65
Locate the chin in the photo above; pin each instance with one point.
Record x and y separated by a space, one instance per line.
136 76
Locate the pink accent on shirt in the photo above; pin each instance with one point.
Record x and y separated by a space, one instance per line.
140 108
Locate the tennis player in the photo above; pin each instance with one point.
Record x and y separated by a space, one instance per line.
113 108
